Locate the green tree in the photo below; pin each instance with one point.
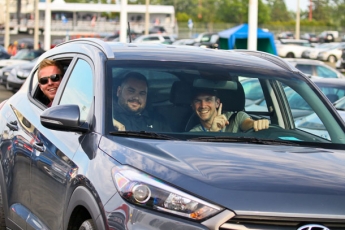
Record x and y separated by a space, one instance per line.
278 11
241 9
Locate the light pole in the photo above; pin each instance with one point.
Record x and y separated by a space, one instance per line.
123 21
36 32
7 25
297 21
147 17
47 27
252 25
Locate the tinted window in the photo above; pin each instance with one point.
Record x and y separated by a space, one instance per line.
307 69
322 71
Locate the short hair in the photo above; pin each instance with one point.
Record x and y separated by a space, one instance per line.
48 62
133 75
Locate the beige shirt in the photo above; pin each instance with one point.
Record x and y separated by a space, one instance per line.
233 127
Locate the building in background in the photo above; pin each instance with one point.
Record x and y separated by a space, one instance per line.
84 17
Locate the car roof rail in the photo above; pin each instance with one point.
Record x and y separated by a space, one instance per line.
269 57
102 45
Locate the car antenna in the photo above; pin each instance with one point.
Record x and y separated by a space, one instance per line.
129 33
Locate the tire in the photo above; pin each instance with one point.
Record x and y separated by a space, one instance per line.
87 225
332 59
290 55
2 214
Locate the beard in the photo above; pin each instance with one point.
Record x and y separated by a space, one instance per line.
127 105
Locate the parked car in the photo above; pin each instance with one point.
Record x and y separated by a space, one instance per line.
311 37
291 48
340 104
340 64
333 89
313 53
68 166
18 73
156 30
315 68
333 54
328 36
207 40
184 41
3 53
155 38
22 56
286 35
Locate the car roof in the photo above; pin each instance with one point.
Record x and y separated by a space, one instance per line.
329 81
305 61
252 60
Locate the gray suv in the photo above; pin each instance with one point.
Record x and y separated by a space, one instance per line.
175 162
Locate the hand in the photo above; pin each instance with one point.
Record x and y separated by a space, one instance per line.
119 126
260 124
220 121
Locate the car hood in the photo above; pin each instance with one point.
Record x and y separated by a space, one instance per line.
242 177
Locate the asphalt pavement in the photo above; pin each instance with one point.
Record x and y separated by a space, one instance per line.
4 93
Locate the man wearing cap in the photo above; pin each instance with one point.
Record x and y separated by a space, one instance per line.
130 112
207 106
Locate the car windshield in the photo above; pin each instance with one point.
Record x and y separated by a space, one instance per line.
177 102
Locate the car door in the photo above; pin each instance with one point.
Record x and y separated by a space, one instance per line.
52 166
16 152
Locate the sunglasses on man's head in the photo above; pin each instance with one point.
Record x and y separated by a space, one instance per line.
53 78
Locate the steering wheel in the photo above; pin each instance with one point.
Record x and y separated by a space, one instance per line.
271 126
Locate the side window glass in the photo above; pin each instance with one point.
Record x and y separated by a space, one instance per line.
79 88
255 100
325 72
307 69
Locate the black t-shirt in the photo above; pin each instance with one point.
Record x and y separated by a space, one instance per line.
144 121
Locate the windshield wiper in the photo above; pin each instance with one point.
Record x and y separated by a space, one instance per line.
142 134
244 140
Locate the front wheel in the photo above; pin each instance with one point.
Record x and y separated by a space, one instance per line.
332 59
290 55
88 225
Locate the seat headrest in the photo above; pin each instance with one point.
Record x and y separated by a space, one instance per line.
232 100
181 93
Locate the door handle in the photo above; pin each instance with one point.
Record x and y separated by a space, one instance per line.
13 125
39 146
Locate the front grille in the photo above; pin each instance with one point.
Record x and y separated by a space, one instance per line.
277 223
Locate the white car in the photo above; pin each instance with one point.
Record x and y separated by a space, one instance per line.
313 53
333 54
155 38
23 56
292 48
315 68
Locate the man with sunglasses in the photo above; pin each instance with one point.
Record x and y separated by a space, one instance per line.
50 75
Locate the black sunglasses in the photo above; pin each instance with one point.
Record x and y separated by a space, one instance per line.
53 78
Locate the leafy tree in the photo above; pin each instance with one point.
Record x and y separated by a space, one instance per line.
278 11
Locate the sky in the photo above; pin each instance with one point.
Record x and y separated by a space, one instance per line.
292 4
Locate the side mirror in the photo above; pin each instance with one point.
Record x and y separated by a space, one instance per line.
63 118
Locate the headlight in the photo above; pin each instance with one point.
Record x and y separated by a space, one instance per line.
141 189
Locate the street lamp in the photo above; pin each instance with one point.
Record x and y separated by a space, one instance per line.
297 21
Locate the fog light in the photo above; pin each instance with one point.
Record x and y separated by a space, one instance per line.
141 193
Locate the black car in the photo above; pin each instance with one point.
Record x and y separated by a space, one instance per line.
3 53
70 166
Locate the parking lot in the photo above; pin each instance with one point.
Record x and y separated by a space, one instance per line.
4 93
